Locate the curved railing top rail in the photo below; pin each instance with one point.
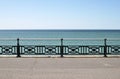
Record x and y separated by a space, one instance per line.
60 38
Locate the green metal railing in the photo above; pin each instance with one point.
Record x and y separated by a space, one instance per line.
59 46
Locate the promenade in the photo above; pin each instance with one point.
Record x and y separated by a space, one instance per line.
59 68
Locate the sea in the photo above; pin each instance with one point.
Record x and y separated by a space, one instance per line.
70 37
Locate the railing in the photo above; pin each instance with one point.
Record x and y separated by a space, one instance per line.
57 46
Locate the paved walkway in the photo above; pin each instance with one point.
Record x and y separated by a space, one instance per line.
59 68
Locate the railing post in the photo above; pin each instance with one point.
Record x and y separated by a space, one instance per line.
61 48
105 47
18 48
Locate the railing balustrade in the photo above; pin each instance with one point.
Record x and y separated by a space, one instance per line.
59 46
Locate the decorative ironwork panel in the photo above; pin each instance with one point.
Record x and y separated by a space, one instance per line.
29 49
96 50
83 50
113 50
71 50
8 50
93 49
75 50
40 50
52 50
56 50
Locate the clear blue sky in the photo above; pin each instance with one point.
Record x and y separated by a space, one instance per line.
59 14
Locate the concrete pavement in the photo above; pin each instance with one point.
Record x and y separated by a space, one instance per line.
59 68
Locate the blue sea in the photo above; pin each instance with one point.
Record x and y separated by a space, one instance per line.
59 34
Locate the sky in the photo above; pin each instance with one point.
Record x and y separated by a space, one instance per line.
59 14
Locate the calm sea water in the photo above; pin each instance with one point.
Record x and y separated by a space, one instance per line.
59 34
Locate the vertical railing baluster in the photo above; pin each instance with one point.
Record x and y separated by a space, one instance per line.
18 48
61 48
105 47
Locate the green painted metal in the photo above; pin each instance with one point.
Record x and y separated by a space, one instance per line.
61 49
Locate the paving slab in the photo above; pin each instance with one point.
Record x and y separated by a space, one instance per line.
59 68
